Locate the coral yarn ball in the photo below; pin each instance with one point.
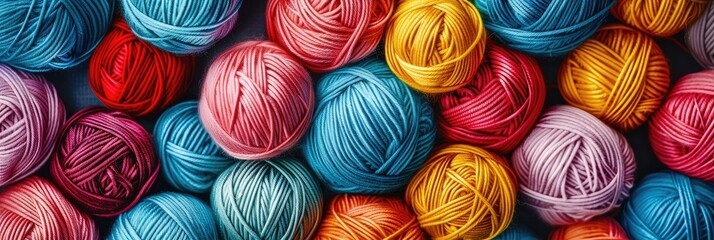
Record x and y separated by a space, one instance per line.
602 228
257 100
699 38
620 75
327 34
657 17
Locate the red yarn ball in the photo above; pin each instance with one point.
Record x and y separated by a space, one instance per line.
133 76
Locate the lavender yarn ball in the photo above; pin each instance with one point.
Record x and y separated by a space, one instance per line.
700 38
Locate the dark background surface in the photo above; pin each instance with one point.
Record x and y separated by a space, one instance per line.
74 90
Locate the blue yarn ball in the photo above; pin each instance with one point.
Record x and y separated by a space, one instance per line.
370 132
46 35
166 216
543 27
516 232
181 26
669 205
190 160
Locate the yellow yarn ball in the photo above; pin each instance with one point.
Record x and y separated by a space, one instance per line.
661 18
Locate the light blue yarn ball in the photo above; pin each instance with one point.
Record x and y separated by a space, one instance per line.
370 131
190 160
166 216
546 28
516 232
181 26
44 35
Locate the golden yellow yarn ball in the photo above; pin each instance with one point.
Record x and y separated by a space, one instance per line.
661 18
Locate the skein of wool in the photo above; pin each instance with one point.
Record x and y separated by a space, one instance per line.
34 209
271 199
362 217
601 228
620 75
543 28
181 27
435 46
257 100
166 215
681 132
657 17
573 167
40 36
700 38
31 115
507 94
463 192
132 76
104 161
328 34
190 160
371 133
668 205
516 232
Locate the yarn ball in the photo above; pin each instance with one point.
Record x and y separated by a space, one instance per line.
257 100
166 216
507 95
572 167
190 160
547 28
463 192
435 46
327 34
371 133
668 205
271 199
359 217
35 209
132 76
602 228
619 75
46 35
181 27
700 38
31 115
681 131
516 232
657 17
104 161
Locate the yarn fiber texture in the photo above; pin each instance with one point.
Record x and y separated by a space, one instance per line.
547 28
435 46
572 167
257 100
183 26
371 133
166 215
272 199
35 209
700 38
463 192
190 160
516 231
657 17
31 115
496 109
597 229
46 35
668 205
620 75
327 34
132 76
104 162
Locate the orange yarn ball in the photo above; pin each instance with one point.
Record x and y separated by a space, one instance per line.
661 18
598 229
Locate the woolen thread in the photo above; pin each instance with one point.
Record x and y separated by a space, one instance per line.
35 209
271 199
31 115
104 161
516 231
507 95
596 229
328 34
657 17
257 100
463 192
620 75
669 205
370 133
700 38
435 46
547 28
132 76
190 160
572 167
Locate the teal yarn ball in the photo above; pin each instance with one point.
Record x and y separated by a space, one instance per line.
166 216
516 232
272 199
370 131
190 160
